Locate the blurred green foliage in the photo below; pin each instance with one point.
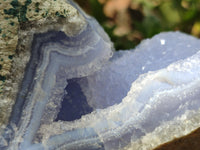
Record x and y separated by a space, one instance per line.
148 17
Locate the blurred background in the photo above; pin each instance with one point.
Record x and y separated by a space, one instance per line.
129 21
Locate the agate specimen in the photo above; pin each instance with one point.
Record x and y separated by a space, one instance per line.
77 93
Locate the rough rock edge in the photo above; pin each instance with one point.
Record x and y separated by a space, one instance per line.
16 34
168 131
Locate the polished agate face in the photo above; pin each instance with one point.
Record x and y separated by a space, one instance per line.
78 93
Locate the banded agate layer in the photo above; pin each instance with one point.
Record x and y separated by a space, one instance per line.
78 95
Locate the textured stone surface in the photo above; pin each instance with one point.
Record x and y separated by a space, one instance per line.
20 20
188 142
135 99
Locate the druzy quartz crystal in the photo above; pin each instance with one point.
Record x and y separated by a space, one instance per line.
77 93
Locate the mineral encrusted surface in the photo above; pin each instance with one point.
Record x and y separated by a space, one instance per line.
20 20
70 90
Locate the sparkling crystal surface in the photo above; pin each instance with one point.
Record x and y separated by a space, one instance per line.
79 94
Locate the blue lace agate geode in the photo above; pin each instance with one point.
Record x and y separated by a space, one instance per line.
77 94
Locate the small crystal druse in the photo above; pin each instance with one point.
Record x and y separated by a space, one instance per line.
64 87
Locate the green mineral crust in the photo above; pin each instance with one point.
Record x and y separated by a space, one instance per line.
19 21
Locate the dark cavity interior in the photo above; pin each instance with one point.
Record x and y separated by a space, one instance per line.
74 103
